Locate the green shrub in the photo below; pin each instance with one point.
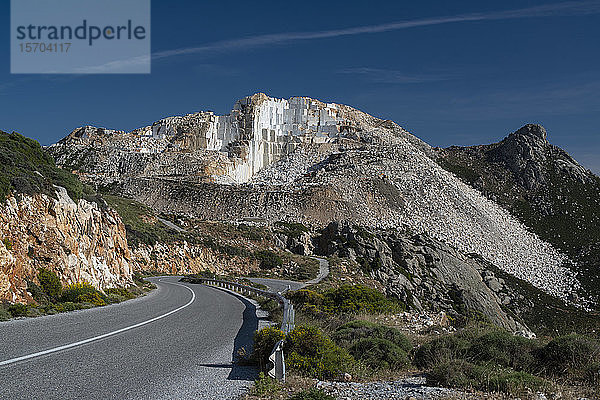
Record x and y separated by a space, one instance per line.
368 265
34 312
305 297
264 385
312 394
379 353
504 349
264 342
113 298
7 244
141 224
305 268
95 298
250 232
268 259
292 229
465 375
346 299
37 293
68 306
441 350
18 310
26 168
5 315
313 354
351 299
269 305
515 382
353 331
49 283
117 295
234 251
83 293
453 373
572 354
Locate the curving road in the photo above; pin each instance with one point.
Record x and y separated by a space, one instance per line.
178 342
282 285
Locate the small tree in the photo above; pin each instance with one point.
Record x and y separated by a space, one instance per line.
268 259
50 283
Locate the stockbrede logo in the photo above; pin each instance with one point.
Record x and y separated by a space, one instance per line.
80 36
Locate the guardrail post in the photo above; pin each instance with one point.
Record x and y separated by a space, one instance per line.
287 325
276 357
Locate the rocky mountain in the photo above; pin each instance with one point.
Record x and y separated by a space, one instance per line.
423 272
302 160
203 147
544 187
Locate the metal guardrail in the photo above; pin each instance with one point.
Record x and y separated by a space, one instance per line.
287 324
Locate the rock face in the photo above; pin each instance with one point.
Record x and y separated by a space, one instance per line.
79 241
422 272
304 160
206 147
180 258
527 153
544 188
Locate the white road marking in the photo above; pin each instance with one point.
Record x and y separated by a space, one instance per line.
71 345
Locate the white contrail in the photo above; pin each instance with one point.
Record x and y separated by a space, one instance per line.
578 8
575 8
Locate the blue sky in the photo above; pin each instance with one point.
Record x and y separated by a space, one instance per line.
462 72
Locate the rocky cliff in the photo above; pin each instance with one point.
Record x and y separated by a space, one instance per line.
179 258
422 272
77 240
204 147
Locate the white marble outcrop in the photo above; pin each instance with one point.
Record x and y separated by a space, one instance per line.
258 131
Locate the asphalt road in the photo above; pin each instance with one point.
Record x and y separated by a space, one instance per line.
281 285
170 344
278 285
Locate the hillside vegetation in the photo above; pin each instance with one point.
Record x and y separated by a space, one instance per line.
26 168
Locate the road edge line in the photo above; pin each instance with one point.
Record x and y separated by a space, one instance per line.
105 335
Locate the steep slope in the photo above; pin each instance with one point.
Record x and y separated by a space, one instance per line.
544 188
422 272
79 241
41 226
304 160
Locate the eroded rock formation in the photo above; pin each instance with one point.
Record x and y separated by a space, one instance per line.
79 241
422 272
205 147
180 258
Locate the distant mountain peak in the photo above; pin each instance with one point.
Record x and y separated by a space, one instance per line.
544 186
528 154
535 131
